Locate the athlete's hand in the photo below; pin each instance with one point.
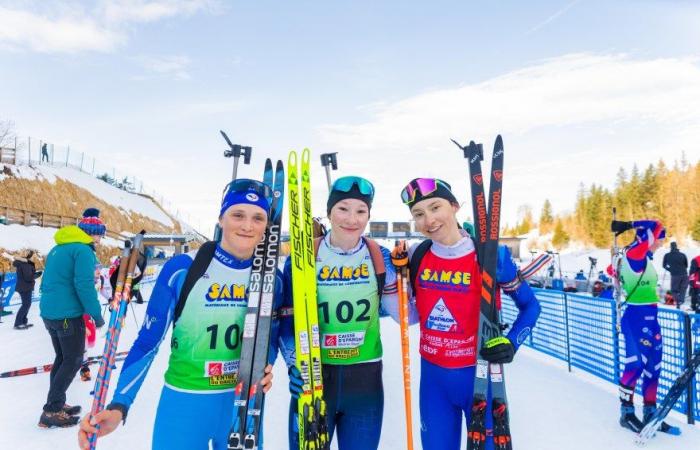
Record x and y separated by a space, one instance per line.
267 379
399 255
498 350
107 419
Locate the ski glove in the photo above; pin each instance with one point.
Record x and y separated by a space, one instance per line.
399 255
498 350
296 383
619 227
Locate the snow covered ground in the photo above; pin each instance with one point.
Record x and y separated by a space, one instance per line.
550 408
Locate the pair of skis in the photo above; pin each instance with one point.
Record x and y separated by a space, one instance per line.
118 308
47 367
679 387
311 410
248 395
487 229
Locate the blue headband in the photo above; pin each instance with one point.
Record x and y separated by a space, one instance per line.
249 197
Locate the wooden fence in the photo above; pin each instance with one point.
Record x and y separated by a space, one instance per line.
25 217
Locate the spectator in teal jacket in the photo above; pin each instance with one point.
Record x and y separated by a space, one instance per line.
67 292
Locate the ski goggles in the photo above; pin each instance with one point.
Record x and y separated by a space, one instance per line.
345 184
244 190
422 187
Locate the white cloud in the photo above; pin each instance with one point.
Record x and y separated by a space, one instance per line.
70 27
150 11
169 66
27 30
572 119
568 90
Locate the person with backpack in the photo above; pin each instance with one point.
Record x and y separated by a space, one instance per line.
639 324
26 278
205 298
445 283
354 276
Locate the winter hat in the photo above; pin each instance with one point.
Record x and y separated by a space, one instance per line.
251 192
350 187
91 223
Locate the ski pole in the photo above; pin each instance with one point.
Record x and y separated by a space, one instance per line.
401 264
119 305
617 262
328 161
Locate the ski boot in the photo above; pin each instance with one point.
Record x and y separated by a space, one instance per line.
629 420
72 410
649 411
59 419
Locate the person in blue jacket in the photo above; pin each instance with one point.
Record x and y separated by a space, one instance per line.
68 292
445 301
196 403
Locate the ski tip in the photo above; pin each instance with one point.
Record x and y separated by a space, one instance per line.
499 141
292 158
280 165
305 155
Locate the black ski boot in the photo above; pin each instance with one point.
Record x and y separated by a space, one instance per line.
649 411
72 410
57 419
629 420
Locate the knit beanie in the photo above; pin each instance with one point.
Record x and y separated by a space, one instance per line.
91 223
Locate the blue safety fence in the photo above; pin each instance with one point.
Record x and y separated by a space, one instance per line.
582 330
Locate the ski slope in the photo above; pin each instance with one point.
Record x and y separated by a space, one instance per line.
550 408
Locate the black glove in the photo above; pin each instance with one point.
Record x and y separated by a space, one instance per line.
498 350
619 227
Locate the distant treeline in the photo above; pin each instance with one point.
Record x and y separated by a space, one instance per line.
671 195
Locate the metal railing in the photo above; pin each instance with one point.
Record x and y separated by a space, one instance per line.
581 330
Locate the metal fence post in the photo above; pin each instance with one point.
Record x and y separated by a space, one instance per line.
566 329
616 343
690 403
67 155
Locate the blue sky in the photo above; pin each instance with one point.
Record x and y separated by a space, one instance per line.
577 88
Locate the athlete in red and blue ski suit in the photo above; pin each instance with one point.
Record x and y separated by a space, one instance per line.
639 323
446 301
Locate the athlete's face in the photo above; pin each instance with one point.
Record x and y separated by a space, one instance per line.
436 219
243 227
349 218
656 245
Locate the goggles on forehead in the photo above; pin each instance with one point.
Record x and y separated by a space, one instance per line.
345 184
246 184
422 186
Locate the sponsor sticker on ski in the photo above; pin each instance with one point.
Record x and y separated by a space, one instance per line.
304 342
249 325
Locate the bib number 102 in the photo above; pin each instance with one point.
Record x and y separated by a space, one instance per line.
232 336
345 311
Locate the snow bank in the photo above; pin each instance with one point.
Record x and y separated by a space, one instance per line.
110 194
